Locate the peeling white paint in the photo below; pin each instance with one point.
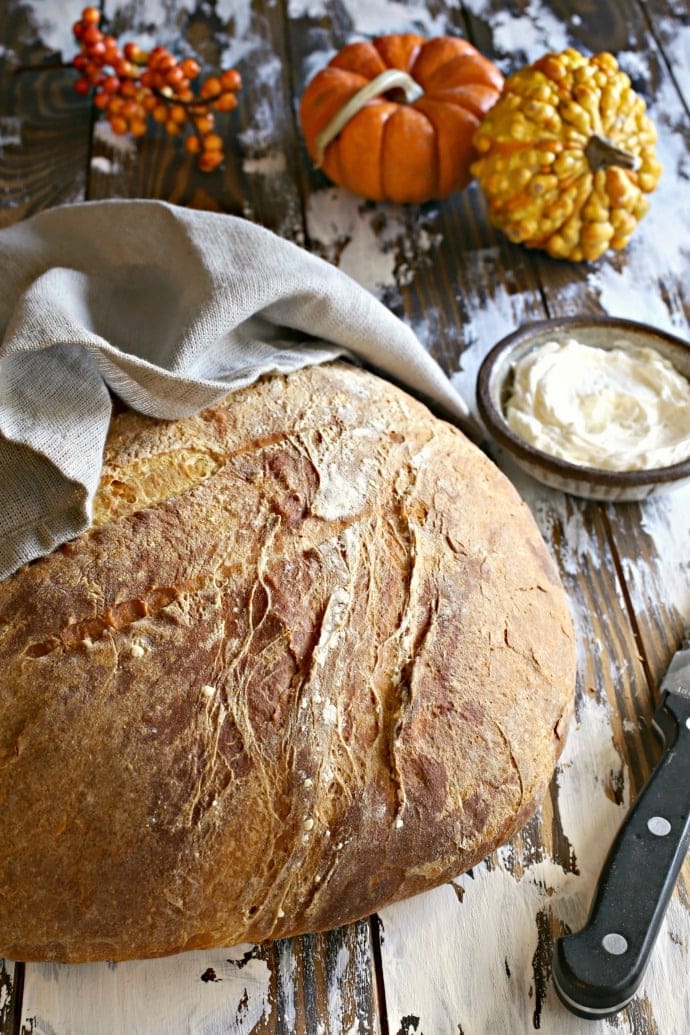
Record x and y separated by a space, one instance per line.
523 37
273 164
666 520
10 131
333 223
385 16
335 995
159 997
101 164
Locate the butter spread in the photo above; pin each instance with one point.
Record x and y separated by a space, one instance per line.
622 409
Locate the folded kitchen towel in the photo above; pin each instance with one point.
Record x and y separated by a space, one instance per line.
171 309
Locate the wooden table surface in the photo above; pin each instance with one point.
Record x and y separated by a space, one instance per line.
474 956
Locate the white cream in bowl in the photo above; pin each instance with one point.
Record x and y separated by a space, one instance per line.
621 409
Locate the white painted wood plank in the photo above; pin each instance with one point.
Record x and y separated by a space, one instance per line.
220 992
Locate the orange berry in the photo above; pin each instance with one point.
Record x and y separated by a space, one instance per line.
174 76
128 88
82 85
137 127
160 112
204 123
226 102
92 34
178 114
172 128
124 69
101 100
134 53
166 63
91 15
190 68
230 80
118 125
111 84
148 102
96 52
192 144
210 88
209 160
213 142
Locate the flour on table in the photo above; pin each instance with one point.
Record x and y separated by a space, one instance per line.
490 319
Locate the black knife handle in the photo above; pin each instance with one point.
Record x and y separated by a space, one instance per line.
597 971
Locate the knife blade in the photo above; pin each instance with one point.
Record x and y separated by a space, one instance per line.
597 970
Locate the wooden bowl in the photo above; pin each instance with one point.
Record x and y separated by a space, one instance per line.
493 390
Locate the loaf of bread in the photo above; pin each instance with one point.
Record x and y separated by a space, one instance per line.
312 657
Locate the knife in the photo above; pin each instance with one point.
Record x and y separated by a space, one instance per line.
597 971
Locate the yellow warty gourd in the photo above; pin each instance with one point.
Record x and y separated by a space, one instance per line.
567 156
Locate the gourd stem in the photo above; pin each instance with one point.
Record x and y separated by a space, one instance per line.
388 80
601 152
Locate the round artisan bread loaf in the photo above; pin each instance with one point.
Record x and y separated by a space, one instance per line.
312 657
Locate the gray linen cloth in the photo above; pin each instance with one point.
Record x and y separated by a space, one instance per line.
171 309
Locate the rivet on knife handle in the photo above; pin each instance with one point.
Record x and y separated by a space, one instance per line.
598 970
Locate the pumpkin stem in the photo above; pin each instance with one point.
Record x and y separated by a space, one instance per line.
388 80
601 152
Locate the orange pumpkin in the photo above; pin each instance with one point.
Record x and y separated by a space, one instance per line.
393 119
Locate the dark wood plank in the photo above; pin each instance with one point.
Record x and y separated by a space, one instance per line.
669 22
44 126
11 982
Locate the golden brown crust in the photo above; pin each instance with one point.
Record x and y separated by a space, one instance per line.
315 657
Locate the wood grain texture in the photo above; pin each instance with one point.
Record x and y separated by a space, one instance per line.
44 127
462 287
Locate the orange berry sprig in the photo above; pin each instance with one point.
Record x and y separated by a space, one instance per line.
132 85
